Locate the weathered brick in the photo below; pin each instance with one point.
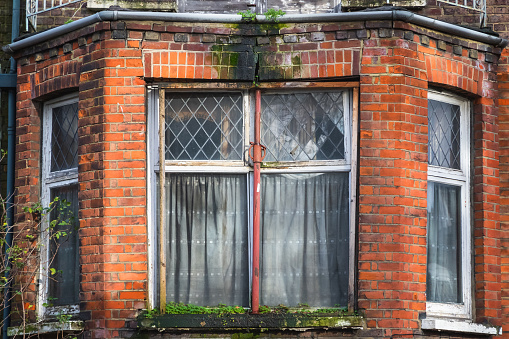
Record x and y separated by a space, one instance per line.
150 35
181 37
341 35
442 45
209 38
289 38
317 36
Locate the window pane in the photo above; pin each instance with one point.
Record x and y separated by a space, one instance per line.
303 126
204 126
64 137
444 244
444 134
64 250
304 235
207 244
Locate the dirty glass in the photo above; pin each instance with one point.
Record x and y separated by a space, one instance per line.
204 126
303 126
64 137
443 282
444 134
64 249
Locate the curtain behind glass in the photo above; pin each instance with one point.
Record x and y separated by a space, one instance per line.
304 235
65 286
444 248
207 239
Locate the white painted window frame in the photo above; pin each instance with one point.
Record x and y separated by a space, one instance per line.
51 180
460 178
349 164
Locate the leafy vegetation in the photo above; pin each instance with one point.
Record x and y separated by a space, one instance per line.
28 258
273 15
222 309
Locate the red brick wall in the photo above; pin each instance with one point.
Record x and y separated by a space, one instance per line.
110 65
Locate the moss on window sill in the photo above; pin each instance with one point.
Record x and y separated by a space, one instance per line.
268 321
46 327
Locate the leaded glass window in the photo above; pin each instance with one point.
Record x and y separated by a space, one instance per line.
448 226
59 288
208 192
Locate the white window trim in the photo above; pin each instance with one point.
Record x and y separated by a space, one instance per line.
51 180
347 165
460 178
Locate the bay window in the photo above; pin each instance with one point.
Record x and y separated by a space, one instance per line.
204 239
448 287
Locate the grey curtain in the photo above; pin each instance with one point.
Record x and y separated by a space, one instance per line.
64 251
444 243
207 239
304 239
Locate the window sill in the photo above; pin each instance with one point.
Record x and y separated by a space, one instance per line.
250 321
46 327
459 326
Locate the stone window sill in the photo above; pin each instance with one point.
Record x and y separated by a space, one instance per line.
47 327
250 321
459 326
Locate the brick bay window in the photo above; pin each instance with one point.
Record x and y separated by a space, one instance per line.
448 287
209 235
59 288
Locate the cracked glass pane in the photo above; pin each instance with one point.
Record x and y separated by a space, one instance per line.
444 134
64 137
303 126
204 126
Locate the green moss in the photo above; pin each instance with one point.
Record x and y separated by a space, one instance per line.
296 61
273 26
234 59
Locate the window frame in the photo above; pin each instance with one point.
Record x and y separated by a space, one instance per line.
460 178
155 106
50 180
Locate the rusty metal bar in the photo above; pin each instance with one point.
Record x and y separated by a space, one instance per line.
162 243
257 159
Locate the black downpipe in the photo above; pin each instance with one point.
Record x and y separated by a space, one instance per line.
11 140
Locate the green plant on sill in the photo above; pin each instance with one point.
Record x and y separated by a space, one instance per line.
223 310
272 15
181 308
247 15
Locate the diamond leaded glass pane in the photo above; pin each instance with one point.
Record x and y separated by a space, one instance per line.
64 137
303 126
443 134
204 126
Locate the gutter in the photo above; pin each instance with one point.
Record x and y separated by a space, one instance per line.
394 15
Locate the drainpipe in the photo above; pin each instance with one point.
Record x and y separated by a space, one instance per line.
11 139
257 157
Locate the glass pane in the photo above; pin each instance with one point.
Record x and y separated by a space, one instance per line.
444 243
64 249
207 239
304 239
204 126
303 126
64 137
444 134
